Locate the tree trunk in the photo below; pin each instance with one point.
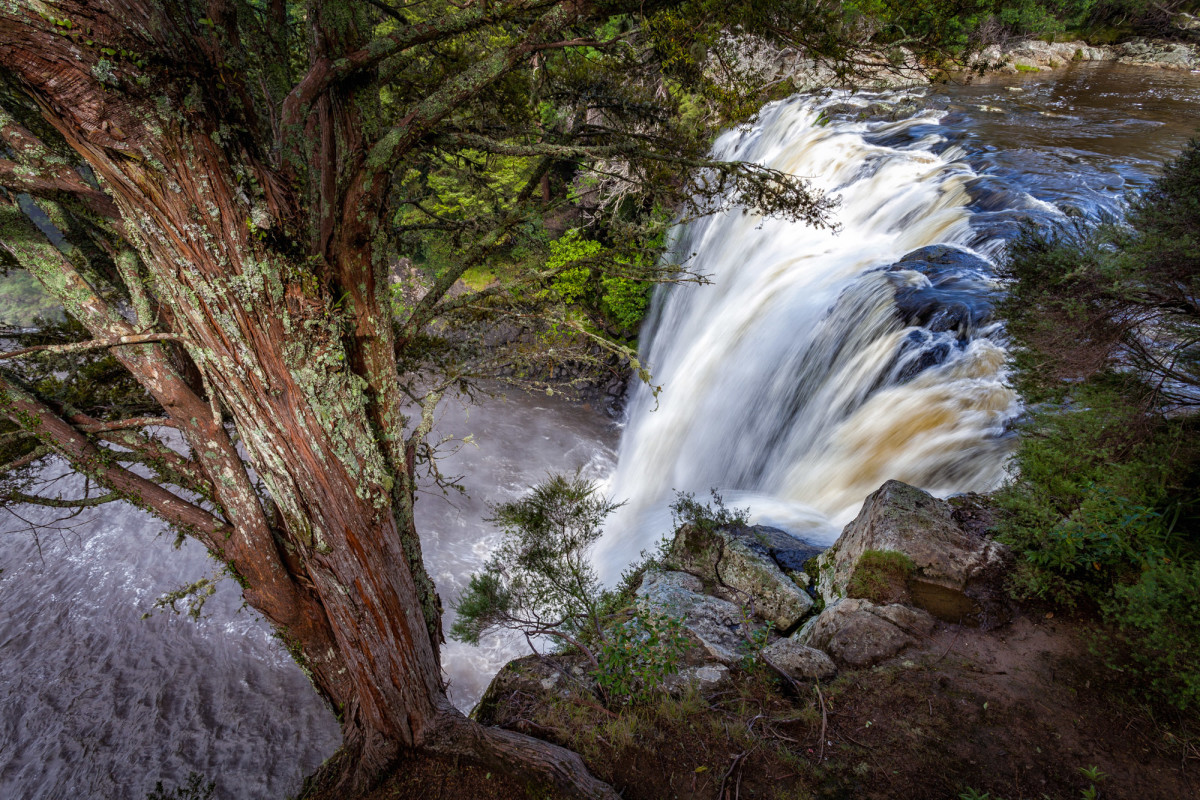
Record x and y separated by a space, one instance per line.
292 340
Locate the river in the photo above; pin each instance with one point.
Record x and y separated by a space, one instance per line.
792 384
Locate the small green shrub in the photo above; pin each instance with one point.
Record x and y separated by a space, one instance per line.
755 643
638 656
686 510
1158 622
540 580
975 794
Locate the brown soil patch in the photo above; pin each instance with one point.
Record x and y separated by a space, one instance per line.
1014 712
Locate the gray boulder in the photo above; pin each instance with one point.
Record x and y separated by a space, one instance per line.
717 625
799 661
949 571
859 633
737 564
704 677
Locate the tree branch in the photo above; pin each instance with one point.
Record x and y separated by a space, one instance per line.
327 71
396 143
94 344
18 178
40 420
88 425
62 502
27 459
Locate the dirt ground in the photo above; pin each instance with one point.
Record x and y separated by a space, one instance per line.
1015 712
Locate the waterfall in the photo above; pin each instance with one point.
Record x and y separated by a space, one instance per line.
819 364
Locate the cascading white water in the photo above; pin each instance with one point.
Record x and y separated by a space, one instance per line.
794 383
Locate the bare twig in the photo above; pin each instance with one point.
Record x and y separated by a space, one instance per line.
824 722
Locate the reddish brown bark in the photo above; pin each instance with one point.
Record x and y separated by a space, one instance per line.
295 352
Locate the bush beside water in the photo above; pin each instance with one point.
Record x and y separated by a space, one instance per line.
1103 509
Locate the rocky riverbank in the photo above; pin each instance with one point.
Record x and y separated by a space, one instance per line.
892 665
770 66
1035 55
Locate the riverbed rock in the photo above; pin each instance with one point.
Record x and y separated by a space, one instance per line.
950 571
942 288
859 633
799 661
1035 55
736 563
787 551
718 626
751 58
1164 55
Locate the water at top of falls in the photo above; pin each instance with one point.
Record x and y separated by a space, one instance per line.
794 383
819 364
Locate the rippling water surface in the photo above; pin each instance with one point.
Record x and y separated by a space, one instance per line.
815 367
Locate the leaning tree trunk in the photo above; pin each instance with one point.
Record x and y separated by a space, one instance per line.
308 381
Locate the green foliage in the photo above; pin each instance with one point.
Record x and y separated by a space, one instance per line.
539 581
589 275
755 643
1159 629
1103 509
637 656
625 301
686 510
975 794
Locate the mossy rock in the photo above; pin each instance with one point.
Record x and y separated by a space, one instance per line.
881 576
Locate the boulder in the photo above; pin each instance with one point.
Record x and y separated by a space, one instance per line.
799 661
859 633
717 626
704 677
532 676
949 571
1166 55
737 564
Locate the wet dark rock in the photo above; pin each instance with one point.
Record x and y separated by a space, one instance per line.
918 353
955 294
783 548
